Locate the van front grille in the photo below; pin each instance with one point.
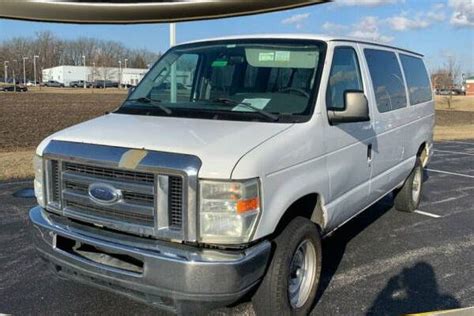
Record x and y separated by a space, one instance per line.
137 209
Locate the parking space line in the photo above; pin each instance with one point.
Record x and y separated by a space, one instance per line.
451 173
4 184
453 152
457 142
427 214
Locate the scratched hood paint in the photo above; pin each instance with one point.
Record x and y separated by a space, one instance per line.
219 144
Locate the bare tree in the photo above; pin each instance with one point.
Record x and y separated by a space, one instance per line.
452 71
53 51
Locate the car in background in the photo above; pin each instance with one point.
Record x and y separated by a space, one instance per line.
53 83
102 84
80 84
12 88
31 83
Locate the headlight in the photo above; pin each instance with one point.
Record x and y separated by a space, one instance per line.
39 180
228 211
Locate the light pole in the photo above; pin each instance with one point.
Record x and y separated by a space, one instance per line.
173 91
93 77
5 65
13 73
85 71
126 59
120 74
24 70
34 66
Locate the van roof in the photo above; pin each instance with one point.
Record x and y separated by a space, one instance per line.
324 38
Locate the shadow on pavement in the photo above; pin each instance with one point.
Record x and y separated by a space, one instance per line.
335 245
413 290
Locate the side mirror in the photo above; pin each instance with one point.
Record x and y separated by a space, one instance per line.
356 108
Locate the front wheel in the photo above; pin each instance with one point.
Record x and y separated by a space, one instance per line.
290 284
408 197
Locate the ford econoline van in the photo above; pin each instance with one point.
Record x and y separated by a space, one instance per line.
220 173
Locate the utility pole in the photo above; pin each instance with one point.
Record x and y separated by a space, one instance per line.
173 66
24 70
34 66
5 65
85 71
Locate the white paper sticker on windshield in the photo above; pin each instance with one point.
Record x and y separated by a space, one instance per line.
259 103
266 56
282 56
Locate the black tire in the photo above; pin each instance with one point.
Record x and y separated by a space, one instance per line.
272 296
405 200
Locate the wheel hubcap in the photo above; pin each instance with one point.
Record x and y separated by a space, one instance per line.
302 274
416 188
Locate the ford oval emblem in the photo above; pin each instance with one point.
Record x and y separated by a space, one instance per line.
104 193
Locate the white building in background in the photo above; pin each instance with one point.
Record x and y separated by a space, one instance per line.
66 74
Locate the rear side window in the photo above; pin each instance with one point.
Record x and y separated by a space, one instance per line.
345 76
418 82
387 79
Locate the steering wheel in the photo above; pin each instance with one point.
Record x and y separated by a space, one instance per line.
298 90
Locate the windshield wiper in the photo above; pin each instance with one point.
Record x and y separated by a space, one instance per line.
156 103
235 103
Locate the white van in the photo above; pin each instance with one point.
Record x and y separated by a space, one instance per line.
221 172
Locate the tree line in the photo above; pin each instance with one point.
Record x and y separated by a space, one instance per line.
53 51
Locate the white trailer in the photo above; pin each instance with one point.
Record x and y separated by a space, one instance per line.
66 74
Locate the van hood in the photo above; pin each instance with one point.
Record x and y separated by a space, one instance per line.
219 144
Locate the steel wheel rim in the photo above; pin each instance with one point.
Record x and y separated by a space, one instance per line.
302 274
416 188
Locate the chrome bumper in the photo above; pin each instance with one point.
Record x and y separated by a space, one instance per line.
173 277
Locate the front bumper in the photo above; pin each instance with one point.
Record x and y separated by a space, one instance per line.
172 277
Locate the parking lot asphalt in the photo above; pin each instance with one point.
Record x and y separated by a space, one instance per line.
383 262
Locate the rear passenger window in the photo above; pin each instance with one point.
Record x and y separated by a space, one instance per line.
418 82
387 79
345 75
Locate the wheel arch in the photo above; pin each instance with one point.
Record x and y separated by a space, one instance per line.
423 153
309 206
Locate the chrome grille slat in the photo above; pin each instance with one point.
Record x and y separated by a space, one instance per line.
69 176
108 173
130 197
85 212
123 207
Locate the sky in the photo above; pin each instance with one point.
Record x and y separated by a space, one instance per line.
435 28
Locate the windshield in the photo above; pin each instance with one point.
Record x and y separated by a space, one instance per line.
238 80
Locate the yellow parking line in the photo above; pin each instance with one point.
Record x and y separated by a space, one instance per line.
469 311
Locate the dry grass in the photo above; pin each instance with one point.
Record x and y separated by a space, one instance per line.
456 122
16 165
458 132
27 118
458 103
